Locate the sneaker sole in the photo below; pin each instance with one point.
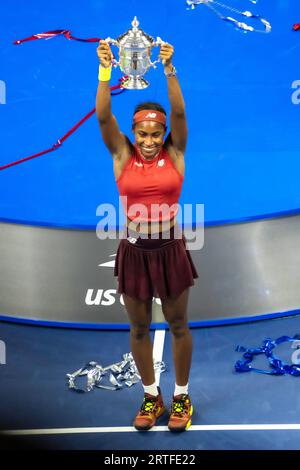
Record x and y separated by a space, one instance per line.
186 427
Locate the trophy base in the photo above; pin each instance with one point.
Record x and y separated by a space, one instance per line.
135 83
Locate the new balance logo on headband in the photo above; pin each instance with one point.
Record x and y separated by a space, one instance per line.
149 114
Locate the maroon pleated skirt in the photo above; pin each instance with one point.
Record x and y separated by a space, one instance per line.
160 267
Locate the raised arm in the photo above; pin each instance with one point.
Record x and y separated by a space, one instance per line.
113 138
178 135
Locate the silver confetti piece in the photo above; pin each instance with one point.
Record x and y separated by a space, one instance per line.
117 375
215 7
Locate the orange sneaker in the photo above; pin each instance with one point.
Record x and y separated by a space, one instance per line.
181 413
151 409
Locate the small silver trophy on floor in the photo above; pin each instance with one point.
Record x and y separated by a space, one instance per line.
135 48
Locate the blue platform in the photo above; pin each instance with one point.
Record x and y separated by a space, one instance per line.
243 149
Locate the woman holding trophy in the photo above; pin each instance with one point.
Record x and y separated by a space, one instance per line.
153 259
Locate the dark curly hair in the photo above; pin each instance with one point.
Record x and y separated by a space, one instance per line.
149 105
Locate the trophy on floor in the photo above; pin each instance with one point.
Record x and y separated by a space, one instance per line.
135 47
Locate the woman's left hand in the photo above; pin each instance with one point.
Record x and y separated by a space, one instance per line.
166 53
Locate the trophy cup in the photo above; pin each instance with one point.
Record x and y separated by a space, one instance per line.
135 55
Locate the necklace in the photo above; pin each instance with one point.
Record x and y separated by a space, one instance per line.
213 5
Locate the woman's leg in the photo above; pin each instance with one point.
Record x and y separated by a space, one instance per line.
175 313
140 314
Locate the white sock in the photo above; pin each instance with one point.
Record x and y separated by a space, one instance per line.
179 389
151 389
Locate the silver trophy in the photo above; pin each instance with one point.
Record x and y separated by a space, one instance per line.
135 55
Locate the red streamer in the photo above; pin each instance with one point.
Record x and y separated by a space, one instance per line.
62 139
48 35
296 26
51 34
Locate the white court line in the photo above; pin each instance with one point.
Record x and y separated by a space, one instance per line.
158 349
213 427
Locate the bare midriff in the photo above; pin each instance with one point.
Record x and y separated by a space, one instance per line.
151 227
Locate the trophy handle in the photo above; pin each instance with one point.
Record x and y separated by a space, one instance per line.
109 40
158 42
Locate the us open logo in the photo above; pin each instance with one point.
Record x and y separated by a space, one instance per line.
2 92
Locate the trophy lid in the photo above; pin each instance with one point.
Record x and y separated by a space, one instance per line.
135 37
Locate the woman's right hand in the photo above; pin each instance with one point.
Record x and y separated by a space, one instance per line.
104 53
